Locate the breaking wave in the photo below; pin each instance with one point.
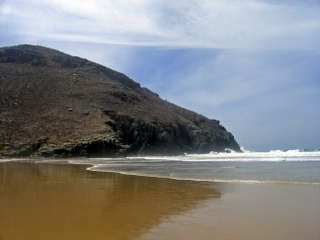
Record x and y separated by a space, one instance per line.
273 155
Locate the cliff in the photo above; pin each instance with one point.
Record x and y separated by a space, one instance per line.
56 105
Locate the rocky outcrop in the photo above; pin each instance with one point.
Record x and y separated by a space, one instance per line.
56 105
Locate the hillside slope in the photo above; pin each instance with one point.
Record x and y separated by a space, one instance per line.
54 104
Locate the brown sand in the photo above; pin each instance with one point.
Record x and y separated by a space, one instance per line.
248 212
60 201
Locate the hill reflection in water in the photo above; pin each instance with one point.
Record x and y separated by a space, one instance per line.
63 201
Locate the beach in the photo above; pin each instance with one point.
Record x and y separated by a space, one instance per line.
65 201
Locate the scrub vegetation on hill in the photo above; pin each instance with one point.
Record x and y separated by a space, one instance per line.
56 105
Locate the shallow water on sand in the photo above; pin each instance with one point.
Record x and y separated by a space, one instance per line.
62 201
65 201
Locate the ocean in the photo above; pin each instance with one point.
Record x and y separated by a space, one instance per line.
290 167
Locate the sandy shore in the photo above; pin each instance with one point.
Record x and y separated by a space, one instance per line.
60 201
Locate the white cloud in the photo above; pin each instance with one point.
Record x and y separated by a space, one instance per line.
245 24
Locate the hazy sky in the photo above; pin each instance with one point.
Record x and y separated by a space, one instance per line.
252 64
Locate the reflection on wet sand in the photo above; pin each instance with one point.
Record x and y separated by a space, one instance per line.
62 201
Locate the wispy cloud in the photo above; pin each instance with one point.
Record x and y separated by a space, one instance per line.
246 24
230 76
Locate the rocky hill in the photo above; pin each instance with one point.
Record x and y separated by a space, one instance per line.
56 105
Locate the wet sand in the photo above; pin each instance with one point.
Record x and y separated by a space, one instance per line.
62 201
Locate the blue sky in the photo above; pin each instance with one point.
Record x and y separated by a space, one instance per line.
252 64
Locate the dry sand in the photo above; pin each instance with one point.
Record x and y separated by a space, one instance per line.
61 201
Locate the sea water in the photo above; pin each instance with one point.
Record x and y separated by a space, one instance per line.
291 167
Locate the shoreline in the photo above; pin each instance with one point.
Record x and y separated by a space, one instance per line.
91 167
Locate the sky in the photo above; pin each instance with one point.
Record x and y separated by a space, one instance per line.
252 64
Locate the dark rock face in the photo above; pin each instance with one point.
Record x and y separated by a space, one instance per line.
56 105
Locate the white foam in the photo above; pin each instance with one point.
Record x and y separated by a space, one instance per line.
245 181
274 155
